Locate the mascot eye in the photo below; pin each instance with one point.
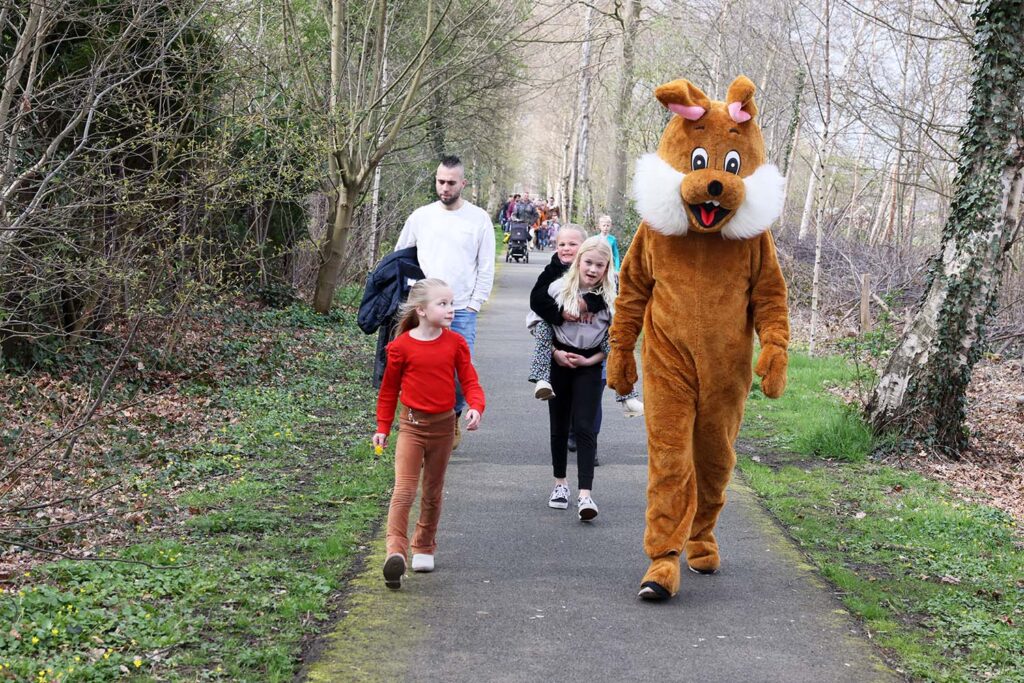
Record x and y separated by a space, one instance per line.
699 159
732 162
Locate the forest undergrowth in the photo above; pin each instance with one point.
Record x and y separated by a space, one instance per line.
228 494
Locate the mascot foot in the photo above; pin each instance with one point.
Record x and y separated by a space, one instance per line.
708 564
661 581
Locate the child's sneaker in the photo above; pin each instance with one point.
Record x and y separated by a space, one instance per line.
586 508
394 570
422 562
633 407
559 497
543 390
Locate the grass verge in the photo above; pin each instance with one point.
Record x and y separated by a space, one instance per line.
936 579
272 514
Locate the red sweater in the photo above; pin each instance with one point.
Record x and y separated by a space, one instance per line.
424 372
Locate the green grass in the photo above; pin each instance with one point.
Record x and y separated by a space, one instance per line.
808 419
936 580
280 503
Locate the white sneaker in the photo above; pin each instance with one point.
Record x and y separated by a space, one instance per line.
633 407
559 497
422 562
586 508
543 390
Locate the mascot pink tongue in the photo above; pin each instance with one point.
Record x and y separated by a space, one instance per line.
700 278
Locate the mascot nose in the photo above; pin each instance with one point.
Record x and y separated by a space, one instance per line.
714 188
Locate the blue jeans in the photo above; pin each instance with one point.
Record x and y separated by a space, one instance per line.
465 324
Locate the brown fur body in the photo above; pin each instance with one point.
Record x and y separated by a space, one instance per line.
699 298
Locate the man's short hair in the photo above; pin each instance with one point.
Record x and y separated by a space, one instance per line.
451 161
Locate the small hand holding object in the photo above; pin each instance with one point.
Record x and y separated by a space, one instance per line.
472 420
771 368
379 441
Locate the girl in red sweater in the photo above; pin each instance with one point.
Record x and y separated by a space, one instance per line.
422 363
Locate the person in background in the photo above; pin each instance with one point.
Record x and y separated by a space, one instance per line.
454 240
604 226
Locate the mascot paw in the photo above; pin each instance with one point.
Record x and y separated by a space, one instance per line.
661 581
771 368
708 564
621 371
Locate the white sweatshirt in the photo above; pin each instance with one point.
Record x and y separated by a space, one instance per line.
455 246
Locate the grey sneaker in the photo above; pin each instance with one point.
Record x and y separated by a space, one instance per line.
559 497
586 508
394 570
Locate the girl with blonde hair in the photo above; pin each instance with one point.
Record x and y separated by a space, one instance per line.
580 345
421 368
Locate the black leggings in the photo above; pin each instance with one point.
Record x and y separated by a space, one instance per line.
577 398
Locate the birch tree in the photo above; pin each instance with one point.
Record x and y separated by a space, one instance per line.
623 104
921 393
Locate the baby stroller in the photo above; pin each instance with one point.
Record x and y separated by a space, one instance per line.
518 239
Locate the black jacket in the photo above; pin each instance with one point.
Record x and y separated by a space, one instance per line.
386 288
544 305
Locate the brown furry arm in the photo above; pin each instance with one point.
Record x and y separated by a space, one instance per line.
635 286
771 320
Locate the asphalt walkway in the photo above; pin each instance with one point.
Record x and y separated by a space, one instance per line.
526 593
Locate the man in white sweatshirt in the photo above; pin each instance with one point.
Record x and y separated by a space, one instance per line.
454 241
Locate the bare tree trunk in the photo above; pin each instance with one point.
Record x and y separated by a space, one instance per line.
565 168
921 393
356 151
334 250
883 204
375 229
823 151
621 127
579 163
818 229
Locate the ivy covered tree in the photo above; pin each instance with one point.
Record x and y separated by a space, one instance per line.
921 393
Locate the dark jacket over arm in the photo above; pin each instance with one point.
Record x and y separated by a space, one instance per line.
386 288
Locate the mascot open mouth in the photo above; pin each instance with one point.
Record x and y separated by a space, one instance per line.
708 214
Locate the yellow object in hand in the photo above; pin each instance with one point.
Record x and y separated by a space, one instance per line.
378 449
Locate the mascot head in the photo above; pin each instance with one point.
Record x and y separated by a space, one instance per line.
709 173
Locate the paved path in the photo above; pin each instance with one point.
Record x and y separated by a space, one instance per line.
526 593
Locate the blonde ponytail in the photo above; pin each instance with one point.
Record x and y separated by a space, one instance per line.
419 296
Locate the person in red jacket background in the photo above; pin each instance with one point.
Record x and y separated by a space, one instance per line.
423 361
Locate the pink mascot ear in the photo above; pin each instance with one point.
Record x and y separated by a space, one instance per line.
741 100
683 98
690 113
737 114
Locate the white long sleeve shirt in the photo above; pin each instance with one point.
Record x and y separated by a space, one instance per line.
455 246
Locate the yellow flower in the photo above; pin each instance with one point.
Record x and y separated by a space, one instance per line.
54 631
35 639
378 449
137 662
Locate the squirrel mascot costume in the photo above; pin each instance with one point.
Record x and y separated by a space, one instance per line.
700 277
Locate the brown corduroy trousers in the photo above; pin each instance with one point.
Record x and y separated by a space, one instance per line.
424 445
